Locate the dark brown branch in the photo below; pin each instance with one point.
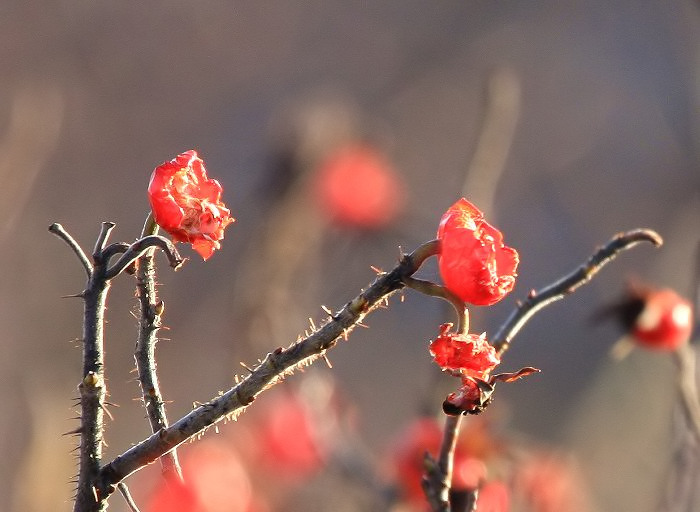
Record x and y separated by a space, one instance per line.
151 310
138 248
273 368
61 233
535 301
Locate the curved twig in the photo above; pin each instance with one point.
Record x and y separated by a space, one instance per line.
537 300
127 497
105 231
61 233
139 247
113 249
435 290
271 370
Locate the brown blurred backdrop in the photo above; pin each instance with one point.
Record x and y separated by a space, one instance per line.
93 95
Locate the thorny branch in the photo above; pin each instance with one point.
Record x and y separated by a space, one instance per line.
437 486
151 310
273 368
92 387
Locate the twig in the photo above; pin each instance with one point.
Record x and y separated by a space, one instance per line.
568 284
105 231
687 386
495 138
61 233
144 354
272 369
127 497
435 290
139 247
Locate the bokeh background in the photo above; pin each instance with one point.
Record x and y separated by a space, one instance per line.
602 100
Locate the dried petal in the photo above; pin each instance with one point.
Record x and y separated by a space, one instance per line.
187 204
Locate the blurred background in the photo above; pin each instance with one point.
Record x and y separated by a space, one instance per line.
565 121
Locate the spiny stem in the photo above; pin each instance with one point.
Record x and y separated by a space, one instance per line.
270 371
144 354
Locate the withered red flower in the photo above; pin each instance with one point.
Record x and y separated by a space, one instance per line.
187 204
464 354
474 263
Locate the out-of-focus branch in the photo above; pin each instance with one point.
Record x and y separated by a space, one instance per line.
26 145
274 367
151 310
438 476
502 109
687 386
537 300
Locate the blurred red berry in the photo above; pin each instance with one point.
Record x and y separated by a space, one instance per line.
425 435
474 263
357 187
466 354
551 483
493 497
665 321
214 481
187 204
289 441
657 319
